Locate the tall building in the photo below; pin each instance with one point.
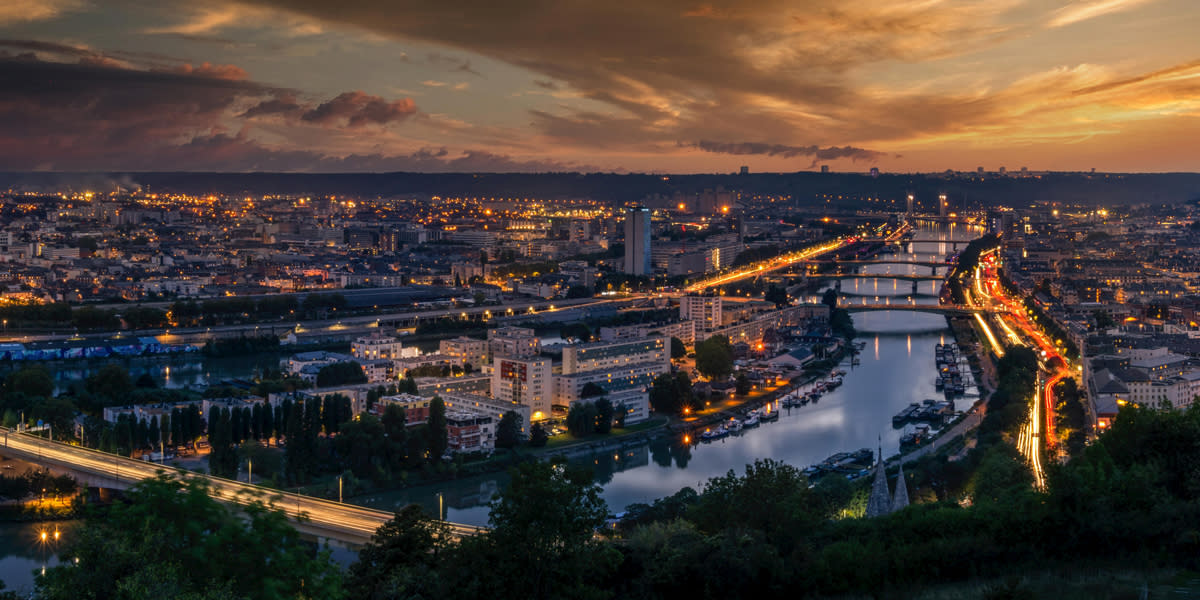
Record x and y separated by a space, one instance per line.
704 310
909 211
745 170
524 381
517 342
824 168
616 355
943 205
637 241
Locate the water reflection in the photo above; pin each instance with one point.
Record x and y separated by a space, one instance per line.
29 548
898 372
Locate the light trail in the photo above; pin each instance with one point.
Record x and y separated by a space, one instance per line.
334 519
771 264
996 347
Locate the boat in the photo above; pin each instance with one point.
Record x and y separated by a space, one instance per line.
751 421
770 416
938 383
733 425
909 412
715 433
855 361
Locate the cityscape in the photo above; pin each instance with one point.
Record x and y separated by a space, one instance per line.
373 301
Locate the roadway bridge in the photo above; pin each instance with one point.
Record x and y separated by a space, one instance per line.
343 327
884 260
950 309
903 277
347 523
920 240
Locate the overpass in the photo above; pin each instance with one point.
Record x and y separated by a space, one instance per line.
346 523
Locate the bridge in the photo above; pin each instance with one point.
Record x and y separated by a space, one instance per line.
347 523
954 243
950 309
347 327
902 277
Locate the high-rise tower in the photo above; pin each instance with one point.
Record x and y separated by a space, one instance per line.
637 241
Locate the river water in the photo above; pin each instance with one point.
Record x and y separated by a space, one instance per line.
897 368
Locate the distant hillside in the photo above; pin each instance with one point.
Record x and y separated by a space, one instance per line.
1106 189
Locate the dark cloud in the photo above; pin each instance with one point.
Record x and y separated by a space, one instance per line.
682 67
357 109
817 153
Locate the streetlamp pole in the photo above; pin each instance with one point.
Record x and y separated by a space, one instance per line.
249 471
339 489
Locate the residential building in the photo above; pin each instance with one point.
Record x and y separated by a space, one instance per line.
465 351
526 381
705 311
516 342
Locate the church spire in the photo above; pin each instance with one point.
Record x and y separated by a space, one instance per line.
879 504
900 498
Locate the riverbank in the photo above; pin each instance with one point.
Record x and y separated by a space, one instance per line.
957 432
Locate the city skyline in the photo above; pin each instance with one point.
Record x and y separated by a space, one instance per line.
290 85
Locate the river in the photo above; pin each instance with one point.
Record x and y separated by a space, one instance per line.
897 368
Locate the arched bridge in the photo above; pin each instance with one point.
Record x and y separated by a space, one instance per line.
951 309
324 518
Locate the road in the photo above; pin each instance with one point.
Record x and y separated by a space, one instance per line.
363 322
1038 431
771 264
344 522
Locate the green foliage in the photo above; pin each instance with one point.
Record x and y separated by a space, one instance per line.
714 357
670 394
538 436
604 416
778 295
438 440
30 381
542 541
402 558
742 386
581 419
591 390
341 373
171 537
678 349
576 331
508 431
241 345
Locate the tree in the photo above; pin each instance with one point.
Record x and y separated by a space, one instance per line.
714 357
538 436
111 384
830 299
340 373
591 389
576 331
743 385
402 558
543 536
438 436
678 349
58 411
604 415
31 381
581 419
776 294
1103 319
170 538
146 381
508 431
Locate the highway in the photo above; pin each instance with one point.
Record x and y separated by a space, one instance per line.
363 322
345 522
771 264
1038 431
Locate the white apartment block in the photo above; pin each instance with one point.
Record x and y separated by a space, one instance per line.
465 351
526 381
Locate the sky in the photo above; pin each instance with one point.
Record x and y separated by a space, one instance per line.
676 86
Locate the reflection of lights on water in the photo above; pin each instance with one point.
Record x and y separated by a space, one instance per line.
876 347
909 343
